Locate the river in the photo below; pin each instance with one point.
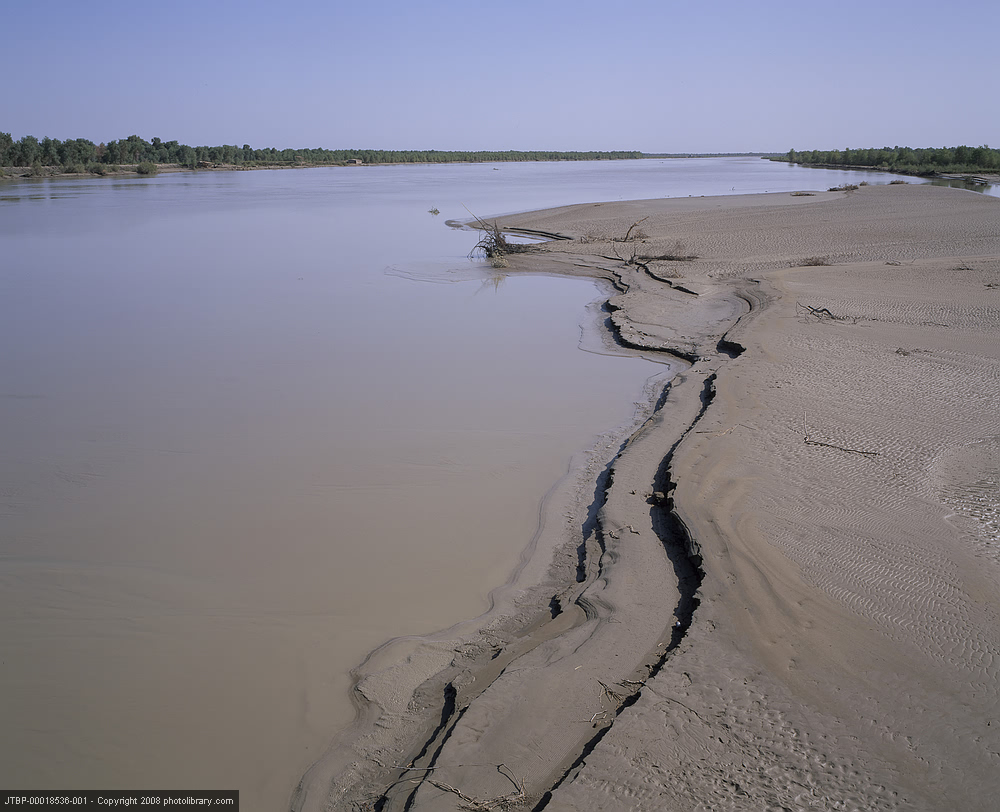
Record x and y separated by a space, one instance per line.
256 423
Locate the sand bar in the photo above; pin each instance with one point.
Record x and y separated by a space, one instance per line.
783 592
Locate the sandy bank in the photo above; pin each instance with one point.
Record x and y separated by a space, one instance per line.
782 593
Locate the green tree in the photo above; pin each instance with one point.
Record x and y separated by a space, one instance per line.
28 151
134 149
113 153
77 151
6 149
186 156
49 152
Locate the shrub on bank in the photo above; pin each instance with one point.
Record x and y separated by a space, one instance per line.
146 168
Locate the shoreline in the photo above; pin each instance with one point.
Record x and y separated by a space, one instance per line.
26 173
15 173
403 687
717 650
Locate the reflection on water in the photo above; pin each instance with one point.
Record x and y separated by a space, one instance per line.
968 184
493 282
244 442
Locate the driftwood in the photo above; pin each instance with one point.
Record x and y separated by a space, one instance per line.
841 448
807 441
500 802
823 313
468 802
613 697
723 433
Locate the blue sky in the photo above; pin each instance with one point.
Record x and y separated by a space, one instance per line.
514 74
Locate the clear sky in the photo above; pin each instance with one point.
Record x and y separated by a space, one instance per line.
667 76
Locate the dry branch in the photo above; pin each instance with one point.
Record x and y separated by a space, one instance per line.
807 441
500 802
610 694
628 233
679 254
494 244
823 313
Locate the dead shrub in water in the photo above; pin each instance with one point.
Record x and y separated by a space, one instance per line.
847 187
495 246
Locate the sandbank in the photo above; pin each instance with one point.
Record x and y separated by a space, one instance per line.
782 591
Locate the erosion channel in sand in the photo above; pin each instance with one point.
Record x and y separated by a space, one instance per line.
782 593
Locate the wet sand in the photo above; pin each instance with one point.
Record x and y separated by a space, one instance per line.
782 593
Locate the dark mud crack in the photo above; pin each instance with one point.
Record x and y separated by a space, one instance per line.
685 556
681 550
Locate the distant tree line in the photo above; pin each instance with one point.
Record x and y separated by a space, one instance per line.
81 155
713 155
382 156
905 160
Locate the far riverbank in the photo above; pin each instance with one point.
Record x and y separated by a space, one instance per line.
127 170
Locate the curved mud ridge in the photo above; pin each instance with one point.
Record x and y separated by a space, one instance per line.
573 650
685 555
464 757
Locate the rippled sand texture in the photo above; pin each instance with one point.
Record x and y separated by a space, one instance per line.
831 473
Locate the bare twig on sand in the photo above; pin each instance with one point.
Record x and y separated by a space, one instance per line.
818 312
723 433
501 802
679 254
610 694
807 441
632 260
639 235
841 448
692 710
823 313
